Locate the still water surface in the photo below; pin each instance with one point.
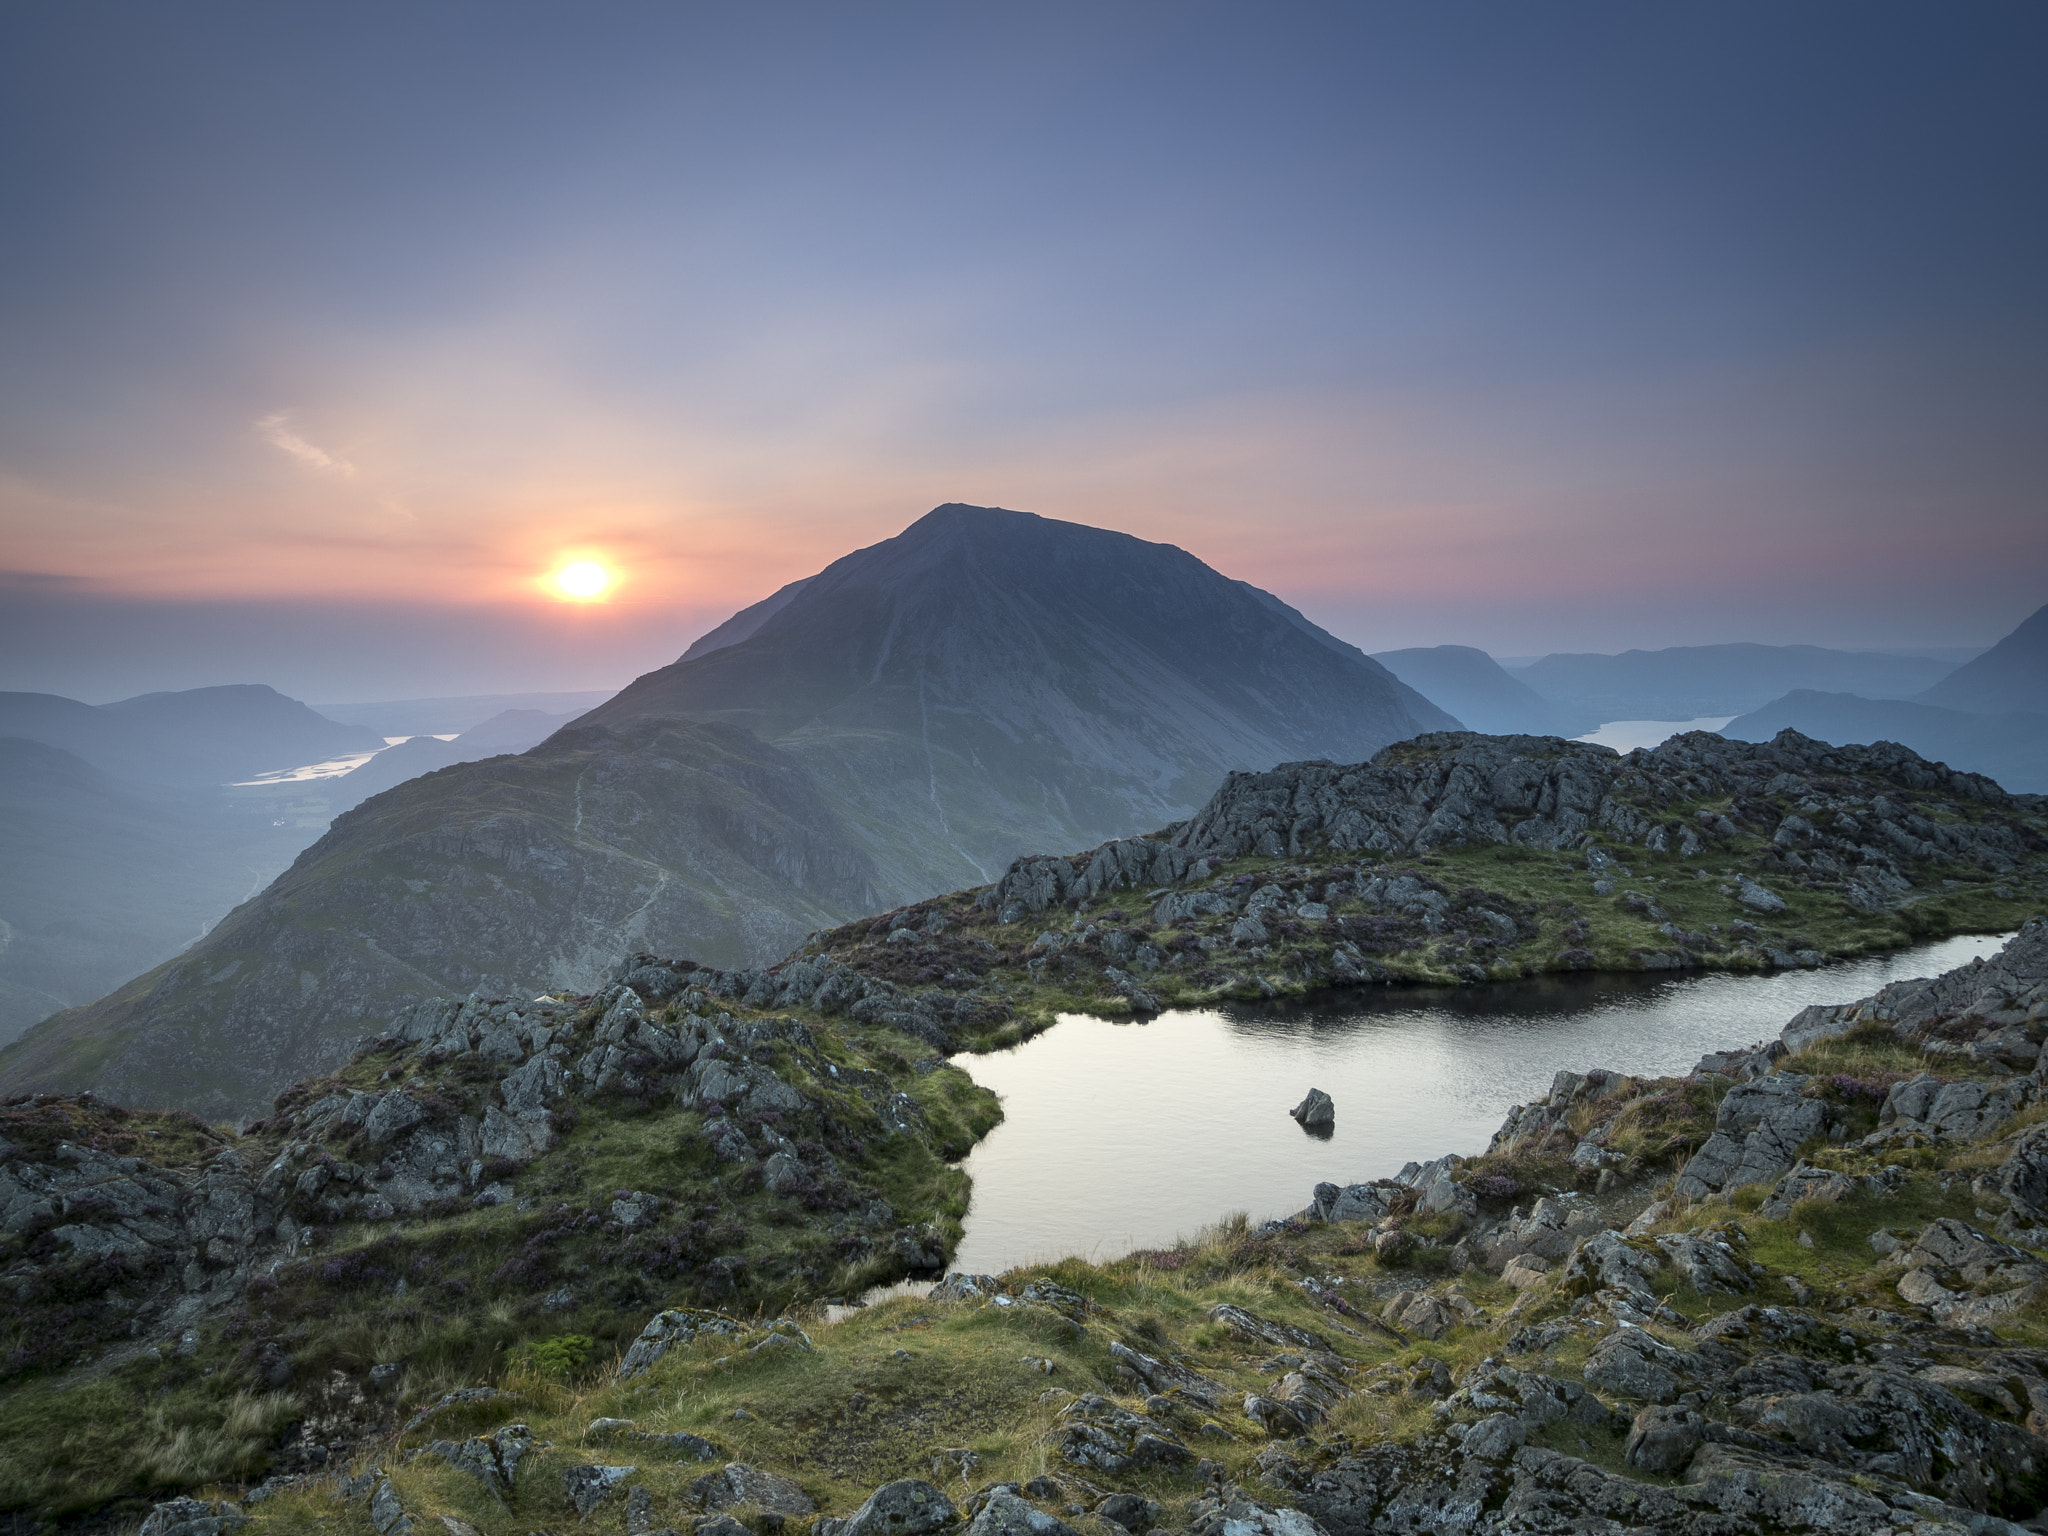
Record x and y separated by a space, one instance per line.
1126 1135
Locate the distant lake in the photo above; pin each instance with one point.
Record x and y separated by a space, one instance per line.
1627 735
1127 1135
330 768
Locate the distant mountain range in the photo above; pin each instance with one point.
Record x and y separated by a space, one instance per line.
511 730
1484 694
906 721
2011 748
122 839
1689 682
447 717
1989 716
201 737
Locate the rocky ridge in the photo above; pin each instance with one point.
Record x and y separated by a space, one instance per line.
472 1151
1801 1289
1460 858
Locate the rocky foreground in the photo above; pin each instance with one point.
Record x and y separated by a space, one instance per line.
1800 1289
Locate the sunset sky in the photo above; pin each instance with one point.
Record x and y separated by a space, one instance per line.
329 334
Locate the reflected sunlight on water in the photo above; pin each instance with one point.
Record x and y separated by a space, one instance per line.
1125 1135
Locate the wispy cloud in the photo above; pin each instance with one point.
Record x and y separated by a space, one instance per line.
277 430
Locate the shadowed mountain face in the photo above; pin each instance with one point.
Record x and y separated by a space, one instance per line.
1688 681
908 721
2012 675
1482 693
990 682
198 737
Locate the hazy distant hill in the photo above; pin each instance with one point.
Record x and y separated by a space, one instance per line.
2011 748
1482 693
197 737
101 879
442 717
1688 681
2012 675
909 720
511 730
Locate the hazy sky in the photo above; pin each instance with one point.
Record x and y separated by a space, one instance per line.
328 331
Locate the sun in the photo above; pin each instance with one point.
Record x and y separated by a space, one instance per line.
584 580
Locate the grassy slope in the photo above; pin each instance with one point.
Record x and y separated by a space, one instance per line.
457 1293
889 1387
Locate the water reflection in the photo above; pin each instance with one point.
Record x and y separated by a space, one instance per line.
1120 1135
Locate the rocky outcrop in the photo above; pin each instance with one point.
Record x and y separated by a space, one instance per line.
1098 1433
1757 1136
1545 792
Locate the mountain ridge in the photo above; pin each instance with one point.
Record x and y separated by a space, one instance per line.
909 720
2012 675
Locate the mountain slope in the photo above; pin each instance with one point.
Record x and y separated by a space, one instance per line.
2011 748
1481 692
1687 681
502 877
915 717
2012 675
198 737
990 681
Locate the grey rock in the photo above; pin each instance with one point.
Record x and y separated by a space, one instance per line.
1609 1261
1164 1376
736 1483
1758 898
1354 1202
1759 1130
396 1113
677 1325
1632 1363
1708 1261
1966 1110
1314 1111
1549 1230
386 1513
1131 1511
1094 1432
1805 1182
194 1517
1005 1514
1496 1437
493 1460
591 1484
907 1507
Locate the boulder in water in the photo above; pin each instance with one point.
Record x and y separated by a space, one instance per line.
1316 1112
